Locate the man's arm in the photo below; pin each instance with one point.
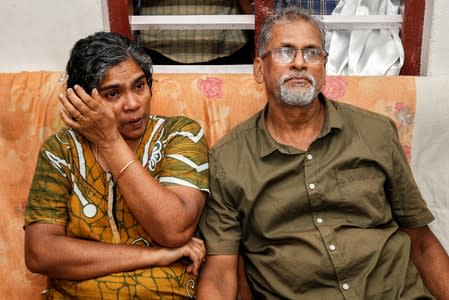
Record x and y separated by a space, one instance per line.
431 260
218 278
50 252
244 291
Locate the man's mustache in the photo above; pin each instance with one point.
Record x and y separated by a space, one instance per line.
296 74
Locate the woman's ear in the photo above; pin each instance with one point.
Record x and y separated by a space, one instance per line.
258 69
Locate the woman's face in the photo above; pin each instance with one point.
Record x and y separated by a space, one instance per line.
125 87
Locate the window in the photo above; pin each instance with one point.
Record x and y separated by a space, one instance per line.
411 29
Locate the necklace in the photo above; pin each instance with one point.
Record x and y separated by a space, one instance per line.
100 163
95 152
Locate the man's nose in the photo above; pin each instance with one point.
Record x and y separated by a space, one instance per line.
298 61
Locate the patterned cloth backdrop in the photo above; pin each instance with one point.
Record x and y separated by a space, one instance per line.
316 7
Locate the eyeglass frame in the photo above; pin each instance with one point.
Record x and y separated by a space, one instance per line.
323 52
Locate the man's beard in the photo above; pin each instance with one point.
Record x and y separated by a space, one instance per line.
302 97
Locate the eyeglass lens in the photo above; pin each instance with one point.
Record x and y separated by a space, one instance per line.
288 54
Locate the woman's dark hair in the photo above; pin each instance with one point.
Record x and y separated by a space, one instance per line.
91 57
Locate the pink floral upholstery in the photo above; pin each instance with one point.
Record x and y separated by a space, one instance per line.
29 113
394 97
219 102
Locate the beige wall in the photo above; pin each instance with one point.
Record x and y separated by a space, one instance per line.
435 58
38 34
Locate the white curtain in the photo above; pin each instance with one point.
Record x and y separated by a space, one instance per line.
374 52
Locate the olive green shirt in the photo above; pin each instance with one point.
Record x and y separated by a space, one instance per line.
322 223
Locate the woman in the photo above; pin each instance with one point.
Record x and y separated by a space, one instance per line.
116 198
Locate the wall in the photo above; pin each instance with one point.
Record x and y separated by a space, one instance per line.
37 35
435 61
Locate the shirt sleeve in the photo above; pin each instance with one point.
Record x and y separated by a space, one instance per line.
408 206
185 159
50 187
219 224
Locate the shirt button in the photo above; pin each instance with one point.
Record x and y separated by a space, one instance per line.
309 156
312 186
345 286
319 220
332 247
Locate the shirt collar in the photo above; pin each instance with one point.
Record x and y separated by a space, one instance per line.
268 145
332 119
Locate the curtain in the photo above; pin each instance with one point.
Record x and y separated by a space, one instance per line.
373 52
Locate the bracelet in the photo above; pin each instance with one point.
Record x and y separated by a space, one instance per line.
126 166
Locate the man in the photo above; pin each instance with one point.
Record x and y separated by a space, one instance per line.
316 195
116 199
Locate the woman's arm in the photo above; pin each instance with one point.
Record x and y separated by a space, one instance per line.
175 210
50 252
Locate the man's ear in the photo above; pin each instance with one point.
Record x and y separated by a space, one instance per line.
258 69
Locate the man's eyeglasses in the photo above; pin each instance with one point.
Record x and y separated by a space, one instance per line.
286 55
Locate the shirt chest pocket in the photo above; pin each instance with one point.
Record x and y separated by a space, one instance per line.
363 196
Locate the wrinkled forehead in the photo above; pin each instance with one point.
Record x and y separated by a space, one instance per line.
298 33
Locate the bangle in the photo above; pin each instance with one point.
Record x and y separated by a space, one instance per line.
126 166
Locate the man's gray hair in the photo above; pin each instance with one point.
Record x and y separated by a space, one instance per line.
287 15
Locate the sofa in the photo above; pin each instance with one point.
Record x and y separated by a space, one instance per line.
218 101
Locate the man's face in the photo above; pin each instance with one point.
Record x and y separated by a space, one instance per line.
125 88
298 82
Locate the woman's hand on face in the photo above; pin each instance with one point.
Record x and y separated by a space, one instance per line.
89 114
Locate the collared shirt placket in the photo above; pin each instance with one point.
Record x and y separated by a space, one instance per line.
328 235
